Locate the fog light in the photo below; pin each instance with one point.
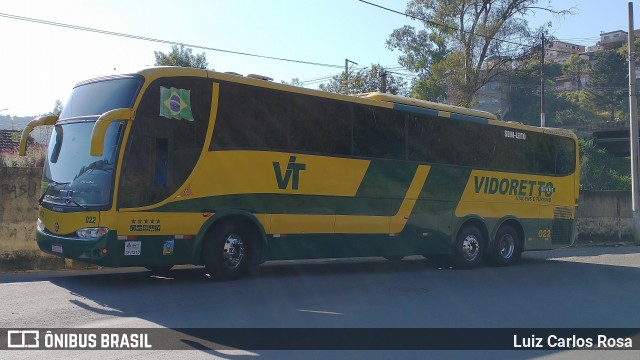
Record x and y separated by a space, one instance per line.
92 233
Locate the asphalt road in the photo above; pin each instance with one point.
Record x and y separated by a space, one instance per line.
567 288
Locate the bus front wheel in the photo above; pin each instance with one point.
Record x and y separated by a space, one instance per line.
227 251
506 247
469 247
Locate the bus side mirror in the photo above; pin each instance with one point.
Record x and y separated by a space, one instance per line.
100 128
39 121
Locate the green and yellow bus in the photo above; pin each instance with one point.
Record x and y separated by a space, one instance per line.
172 166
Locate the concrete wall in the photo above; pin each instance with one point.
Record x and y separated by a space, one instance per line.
19 193
602 216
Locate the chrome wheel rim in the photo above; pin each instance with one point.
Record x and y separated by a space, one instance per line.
233 251
507 245
470 247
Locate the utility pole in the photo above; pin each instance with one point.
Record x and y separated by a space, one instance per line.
346 74
542 119
633 128
383 76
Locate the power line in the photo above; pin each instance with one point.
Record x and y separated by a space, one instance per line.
445 25
137 37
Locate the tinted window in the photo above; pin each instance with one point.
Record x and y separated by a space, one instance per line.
514 150
162 151
565 156
476 145
544 160
320 125
251 118
430 139
99 97
379 133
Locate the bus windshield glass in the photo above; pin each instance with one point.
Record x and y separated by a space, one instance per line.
74 178
96 98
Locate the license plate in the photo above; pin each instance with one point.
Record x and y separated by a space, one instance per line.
57 248
132 248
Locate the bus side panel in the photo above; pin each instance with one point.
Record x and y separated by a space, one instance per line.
440 196
428 229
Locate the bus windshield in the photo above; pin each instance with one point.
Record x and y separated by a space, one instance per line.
74 178
98 97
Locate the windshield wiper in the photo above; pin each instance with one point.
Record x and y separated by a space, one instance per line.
49 186
78 204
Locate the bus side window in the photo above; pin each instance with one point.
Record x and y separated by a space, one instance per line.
565 156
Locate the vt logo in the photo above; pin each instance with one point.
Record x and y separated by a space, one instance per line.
292 168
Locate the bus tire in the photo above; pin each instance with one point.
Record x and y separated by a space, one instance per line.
228 250
506 247
469 247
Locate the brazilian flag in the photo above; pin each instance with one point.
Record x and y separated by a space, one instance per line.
175 103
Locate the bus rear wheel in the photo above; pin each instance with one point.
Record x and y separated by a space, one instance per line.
469 247
506 247
228 250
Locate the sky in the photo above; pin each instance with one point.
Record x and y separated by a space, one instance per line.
40 63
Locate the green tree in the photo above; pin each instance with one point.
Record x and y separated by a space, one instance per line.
524 93
57 108
607 88
600 170
574 68
181 56
570 108
364 81
465 43
294 82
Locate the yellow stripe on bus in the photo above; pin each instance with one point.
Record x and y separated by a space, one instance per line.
256 172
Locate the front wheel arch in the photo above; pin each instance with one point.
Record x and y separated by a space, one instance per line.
229 215
463 259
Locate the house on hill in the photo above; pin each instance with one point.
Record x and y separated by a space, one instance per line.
10 141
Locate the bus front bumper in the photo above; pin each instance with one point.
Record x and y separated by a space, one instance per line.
93 251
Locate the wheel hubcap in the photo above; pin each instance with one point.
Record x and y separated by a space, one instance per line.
507 246
233 251
470 248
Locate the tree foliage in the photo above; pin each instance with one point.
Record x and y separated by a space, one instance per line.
608 86
524 92
57 108
464 43
574 68
181 56
562 108
294 82
601 170
364 81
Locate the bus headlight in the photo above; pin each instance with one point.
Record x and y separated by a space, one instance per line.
92 233
40 225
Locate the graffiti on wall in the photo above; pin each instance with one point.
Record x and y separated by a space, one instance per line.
19 190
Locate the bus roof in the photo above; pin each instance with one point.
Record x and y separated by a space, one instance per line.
428 104
370 98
